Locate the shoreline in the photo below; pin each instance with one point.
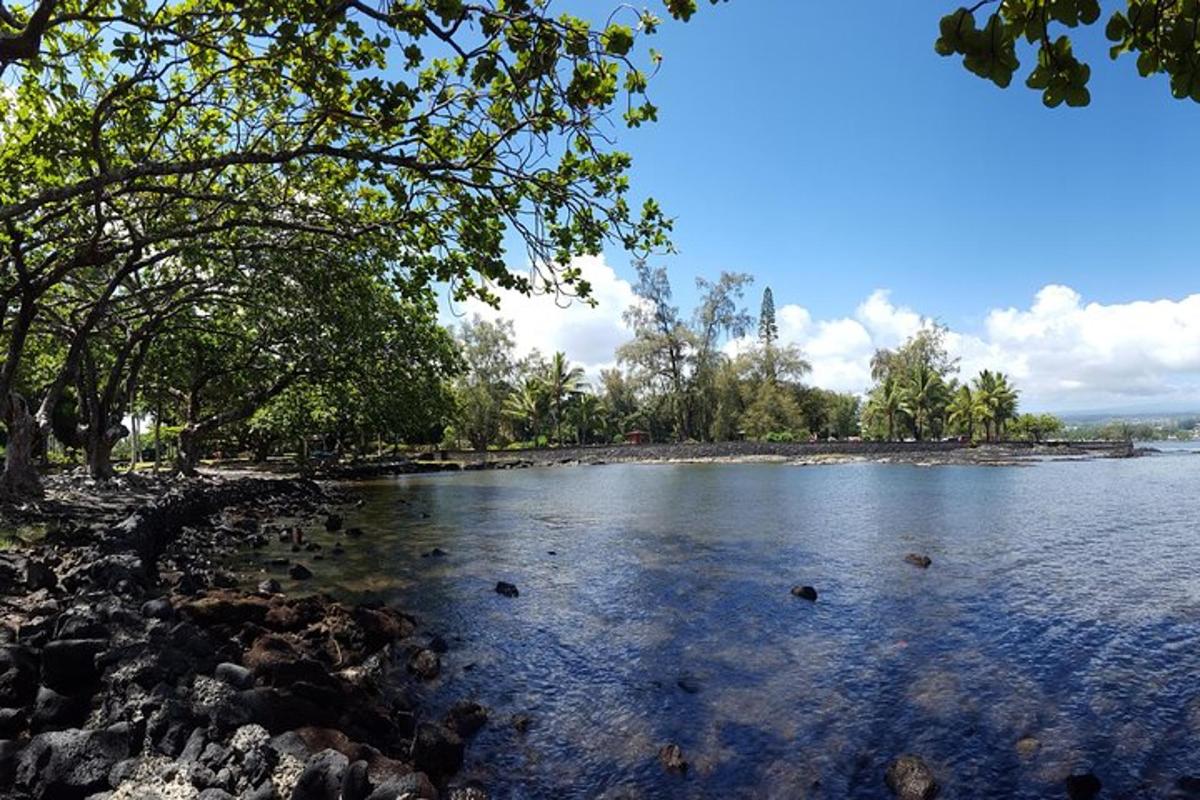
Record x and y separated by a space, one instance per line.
926 454
131 666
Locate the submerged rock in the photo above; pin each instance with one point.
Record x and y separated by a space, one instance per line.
507 589
437 750
671 757
299 572
436 552
521 722
425 664
804 593
918 560
910 778
1083 787
1185 788
333 522
466 718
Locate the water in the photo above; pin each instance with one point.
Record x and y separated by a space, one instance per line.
1063 604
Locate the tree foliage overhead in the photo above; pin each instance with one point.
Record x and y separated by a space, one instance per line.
1162 35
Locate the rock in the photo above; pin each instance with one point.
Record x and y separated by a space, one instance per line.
299 572
438 644
1027 746
312 547
355 532
235 675
805 593
521 722
470 792
159 608
70 764
215 794
507 589
671 757
1185 788
53 711
689 684
67 663
425 664
437 750
355 783
466 718
333 522
910 778
270 586
436 552
322 777
918 560
414 786
39 575
18 675
12 723
1083 787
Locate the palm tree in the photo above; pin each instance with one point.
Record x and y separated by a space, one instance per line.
587 416
527 407
923 397
997 401
562 380
963 410
887 402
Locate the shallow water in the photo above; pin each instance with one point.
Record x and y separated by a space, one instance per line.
1063 604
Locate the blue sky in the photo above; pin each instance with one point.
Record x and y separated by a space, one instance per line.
827 150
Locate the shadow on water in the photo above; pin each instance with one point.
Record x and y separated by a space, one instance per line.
1055 632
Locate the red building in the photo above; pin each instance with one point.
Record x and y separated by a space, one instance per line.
637 437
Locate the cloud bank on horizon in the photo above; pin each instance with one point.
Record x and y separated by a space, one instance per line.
1064 353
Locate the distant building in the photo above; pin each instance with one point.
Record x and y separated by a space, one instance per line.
637 437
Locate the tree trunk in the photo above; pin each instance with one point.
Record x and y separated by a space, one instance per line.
20 479
189 451
99 456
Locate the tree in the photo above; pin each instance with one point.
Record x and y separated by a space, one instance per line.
963 411
133 133
924 398
562 381
997 402
886 405
768 329
1036 427
1161 32
487 382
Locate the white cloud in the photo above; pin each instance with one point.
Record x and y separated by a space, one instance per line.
1063 352
588 335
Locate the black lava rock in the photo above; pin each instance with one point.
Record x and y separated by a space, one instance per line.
507 589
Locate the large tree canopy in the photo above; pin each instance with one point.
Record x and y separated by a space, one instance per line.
428 136
1163 34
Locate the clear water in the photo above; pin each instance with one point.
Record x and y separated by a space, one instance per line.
1063 604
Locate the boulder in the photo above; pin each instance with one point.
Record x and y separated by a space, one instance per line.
437 750
70 764
67 663
53 711
1083 787
18 675
355 783
910 778
235 675
299 572
333 522
425 664
466 717
12 723
805 593
918 560
671 757
159 608
507 589
322 777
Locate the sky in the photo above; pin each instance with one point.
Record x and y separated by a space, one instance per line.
828 151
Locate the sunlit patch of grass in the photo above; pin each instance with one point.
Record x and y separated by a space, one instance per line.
20 535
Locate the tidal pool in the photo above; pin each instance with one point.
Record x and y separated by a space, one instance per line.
1061 611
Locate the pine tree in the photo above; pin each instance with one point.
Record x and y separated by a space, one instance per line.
768 330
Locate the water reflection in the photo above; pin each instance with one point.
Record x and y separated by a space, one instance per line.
1056 630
